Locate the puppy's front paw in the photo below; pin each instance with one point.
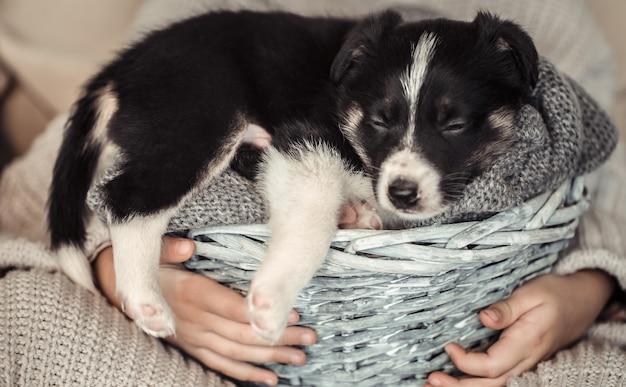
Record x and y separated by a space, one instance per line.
359 215
153 317
268 313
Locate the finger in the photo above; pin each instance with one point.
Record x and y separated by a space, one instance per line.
232 368
440 379
223 301
218 299
497 361
249 353
176 250
207 296
244 333
503 314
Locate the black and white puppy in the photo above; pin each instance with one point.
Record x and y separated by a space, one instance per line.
397 115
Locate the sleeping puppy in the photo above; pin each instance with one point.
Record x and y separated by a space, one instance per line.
391 118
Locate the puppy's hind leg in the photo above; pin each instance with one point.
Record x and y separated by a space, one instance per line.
136 258
152 185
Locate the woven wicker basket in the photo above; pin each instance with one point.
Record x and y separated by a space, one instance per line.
385 303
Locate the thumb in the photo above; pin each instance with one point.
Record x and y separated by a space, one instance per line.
503 314
176 250
528 296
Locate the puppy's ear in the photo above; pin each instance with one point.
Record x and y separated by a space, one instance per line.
509 38
361 40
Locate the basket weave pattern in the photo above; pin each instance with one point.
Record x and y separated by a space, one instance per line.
384 303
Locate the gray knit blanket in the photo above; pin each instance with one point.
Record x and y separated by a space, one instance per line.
566 135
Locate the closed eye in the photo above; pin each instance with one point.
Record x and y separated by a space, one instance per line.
454 125
379 122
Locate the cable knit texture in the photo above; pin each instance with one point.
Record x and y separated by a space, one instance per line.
588 364
60 338
62 335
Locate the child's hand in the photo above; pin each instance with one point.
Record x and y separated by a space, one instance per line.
541 317
211 319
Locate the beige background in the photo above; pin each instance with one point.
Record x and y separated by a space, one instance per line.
611 16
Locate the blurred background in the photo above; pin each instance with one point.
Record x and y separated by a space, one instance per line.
48 48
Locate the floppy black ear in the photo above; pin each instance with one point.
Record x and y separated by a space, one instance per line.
363 37
509 38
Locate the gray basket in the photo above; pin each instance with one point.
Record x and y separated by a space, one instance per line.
384 303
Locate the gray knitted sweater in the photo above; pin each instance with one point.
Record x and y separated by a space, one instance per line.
54 333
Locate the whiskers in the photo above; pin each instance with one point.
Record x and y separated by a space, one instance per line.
453 186
374 170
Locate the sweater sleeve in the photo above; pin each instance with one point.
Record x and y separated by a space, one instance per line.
24 187
53 332
601 239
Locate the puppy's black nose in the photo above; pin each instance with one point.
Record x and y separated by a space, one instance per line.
403 193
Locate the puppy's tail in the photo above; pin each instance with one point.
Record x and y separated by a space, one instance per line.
76 266
72 176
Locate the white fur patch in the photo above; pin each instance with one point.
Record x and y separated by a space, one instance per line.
136 256
307 186
504 120
350 121
410 166
76 266
413 79
305 190
137 243
107 106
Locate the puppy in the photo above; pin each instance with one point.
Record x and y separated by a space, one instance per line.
378 113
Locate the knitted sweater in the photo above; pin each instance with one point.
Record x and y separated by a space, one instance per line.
55 333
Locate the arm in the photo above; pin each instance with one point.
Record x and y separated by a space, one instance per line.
24 185
213 328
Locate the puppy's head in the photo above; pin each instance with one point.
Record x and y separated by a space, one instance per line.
430 105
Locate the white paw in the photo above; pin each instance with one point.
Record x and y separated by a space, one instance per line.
152 316
359 215
368 218
268 313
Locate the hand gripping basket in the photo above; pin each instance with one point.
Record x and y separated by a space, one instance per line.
385 303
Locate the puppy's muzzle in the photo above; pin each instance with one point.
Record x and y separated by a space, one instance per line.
403 194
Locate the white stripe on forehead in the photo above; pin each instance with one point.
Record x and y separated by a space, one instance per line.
413 79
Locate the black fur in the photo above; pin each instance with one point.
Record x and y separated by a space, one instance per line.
179 91
182 90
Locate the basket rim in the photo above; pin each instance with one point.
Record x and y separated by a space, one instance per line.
549 218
